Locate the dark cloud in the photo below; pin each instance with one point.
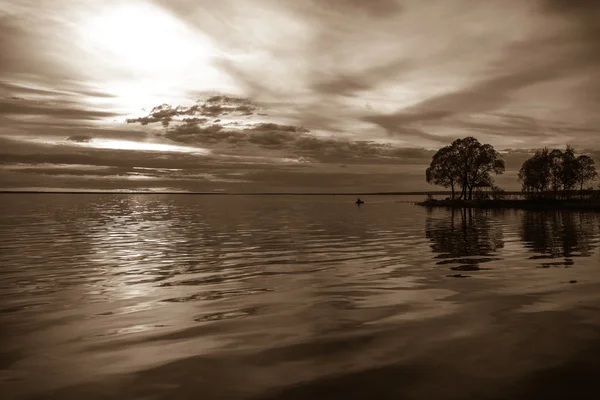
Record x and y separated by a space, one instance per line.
275 138
80 138
266 135
266 127
294 142
212 107
193 133
196 120
230 100
585 13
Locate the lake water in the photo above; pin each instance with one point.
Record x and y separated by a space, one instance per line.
294 297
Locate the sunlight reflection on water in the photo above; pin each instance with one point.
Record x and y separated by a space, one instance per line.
124 283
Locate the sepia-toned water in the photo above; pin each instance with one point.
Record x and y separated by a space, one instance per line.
294 297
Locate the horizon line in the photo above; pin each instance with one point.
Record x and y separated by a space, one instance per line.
234 193
210 193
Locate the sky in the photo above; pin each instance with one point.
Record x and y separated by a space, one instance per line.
286 95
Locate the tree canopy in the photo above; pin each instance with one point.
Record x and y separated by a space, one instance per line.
556 170
465 164
585 171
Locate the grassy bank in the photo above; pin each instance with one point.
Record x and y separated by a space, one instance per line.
538 204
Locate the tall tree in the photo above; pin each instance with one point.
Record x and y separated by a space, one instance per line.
465 163
556 166
571 161
585 171
442 170
535 174
568 169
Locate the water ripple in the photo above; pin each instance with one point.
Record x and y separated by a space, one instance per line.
83 273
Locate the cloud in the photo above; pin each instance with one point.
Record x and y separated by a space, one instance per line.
265 135
585 14
214 106
352 83
346 82
489 94
80 138
415 73
72 89
17 44
51 109
495 92
269 138
373 8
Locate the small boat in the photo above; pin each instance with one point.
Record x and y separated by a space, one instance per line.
359 201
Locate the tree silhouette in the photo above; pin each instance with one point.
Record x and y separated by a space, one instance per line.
534 174
443 170
465 163
555 170
585 171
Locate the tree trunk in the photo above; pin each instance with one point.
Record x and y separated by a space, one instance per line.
452 191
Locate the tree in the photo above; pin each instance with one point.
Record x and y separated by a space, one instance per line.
441 170
556 167
555 170
569 168
535 174
465 163
585 171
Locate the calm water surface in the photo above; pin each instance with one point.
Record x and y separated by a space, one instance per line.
294 297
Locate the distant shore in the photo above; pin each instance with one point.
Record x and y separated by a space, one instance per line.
524 204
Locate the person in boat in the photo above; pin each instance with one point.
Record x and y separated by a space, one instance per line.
359 201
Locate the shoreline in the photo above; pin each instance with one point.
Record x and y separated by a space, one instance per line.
524 204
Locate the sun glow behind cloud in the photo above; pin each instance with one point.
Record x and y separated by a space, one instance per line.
156 57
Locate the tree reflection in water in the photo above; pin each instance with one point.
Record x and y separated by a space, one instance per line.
466 239
559 235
